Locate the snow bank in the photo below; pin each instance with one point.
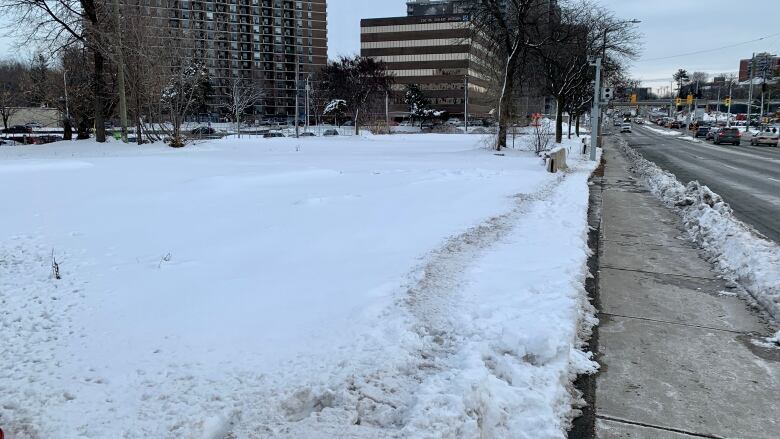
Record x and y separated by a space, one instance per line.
736 248
363 287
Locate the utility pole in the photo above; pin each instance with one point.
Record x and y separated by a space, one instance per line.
297 92
466 102
65 84
728 115
387 111
594 114
121 75
308 87
750 91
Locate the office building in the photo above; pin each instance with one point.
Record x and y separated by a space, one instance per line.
432 50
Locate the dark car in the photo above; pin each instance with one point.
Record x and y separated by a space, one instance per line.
202 131
272 134
18 129
307 134
675 124
727 135
701 132
330 133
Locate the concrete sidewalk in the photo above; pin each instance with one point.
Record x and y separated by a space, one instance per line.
676 353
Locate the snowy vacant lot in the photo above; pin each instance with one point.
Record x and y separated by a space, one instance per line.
405 286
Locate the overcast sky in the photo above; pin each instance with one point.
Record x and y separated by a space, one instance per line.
670 27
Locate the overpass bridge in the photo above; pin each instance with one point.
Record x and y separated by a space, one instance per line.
700 103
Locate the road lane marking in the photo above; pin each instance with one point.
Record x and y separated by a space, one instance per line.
774 179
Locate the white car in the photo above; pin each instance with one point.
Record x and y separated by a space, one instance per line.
765 138
625 128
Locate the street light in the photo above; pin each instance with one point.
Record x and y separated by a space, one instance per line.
596 111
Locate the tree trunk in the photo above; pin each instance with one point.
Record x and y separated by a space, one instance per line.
560 102
569 135
357 124
577 126
67 130
99 88
505 101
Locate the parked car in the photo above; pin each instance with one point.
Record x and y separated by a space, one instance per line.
727 135
203 131
33 125
348 123
765 138
454 121
272 134
330 132
674 124
18 129
307 134
701 132
625 128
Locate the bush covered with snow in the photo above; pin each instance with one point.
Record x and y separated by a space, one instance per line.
737 249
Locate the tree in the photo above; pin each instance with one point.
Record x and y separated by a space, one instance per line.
38 79
356 80
10 89
336 108
59 24
184 91
681 78
418 104
511 29
242 95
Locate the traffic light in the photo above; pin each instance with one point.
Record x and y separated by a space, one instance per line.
678 101
607 94
689 100
633 98
727 101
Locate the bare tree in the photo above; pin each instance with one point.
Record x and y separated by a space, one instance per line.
511 29
242 95
58 24
184 91
11 74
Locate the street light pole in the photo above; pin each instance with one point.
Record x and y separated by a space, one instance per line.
466 102
750 91
595 111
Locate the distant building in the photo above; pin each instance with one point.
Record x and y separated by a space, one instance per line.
764 65
435 52
260 41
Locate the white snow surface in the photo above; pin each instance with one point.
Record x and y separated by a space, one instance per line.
412 286
739 251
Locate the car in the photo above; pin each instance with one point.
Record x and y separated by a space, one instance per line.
202 131
272 134
349 123
701 132
307 134
727 135
33 125
765 138
330 132
18 129
625 128
454 121
711 133
674 124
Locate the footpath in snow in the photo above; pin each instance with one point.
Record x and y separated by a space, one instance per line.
411 286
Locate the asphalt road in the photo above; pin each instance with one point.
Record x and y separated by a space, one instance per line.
747 177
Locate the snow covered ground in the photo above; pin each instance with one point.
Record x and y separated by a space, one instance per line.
741 253
413 286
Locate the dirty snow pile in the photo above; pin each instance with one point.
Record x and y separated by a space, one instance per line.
413 286
663 132
737 249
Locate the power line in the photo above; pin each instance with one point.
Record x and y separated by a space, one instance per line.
710 50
